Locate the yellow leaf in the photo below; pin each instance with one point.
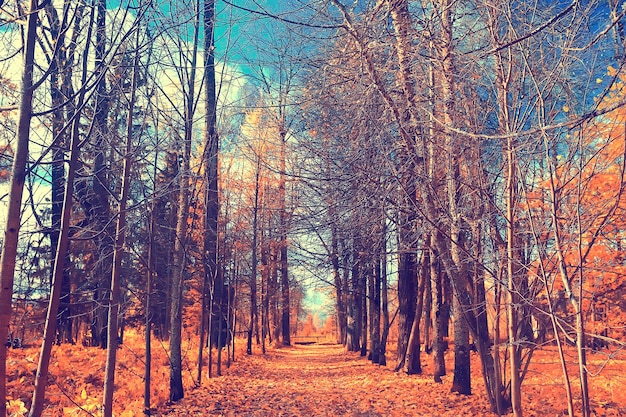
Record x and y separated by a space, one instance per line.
611 71
598 80
565 109
83 394
16 408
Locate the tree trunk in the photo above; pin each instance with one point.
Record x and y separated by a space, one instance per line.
284 266
58 65
101 212
337 280
407 296
120 237
253 276
41 376
442 313
428 306
382 360
413 363
275 327
148 309
179 256
18 178
462 381
264 294
355 316
375 310
364 316
211 197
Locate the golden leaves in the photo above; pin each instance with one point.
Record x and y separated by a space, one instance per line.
16 408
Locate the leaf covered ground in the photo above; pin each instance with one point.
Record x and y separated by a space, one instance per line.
325 380
311 380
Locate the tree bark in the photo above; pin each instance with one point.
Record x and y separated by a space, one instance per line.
211 192
284 265
41 376
18 178
118 253
253 323
462 381
442 313
100 212
413 363
407 296
59 65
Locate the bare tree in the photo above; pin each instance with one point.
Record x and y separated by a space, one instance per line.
18 178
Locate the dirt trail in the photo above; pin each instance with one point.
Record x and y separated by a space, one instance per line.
320 380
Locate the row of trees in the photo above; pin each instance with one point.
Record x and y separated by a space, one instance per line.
469 154
114 139
125 219
481 144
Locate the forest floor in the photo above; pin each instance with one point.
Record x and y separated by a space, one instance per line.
303 380
325 380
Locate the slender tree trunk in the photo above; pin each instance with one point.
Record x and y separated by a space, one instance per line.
58 64
407 296
275 327
382 360
253 276
413 363
428 306
220 322
118 253
233 325
102 215
178 272
211 194
462 381
375 311
356 317
284 266
211 333
503 72
179 256
441 310
364 315
41 376
148 313
337 280
18 178
264 294
575 299
456 268
203 328
513 289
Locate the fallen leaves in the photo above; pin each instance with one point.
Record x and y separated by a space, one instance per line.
326 380
321 380
303 380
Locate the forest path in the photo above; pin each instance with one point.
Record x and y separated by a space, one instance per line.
320 380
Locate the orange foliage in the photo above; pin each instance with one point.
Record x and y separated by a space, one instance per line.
591 211
6 159
76 377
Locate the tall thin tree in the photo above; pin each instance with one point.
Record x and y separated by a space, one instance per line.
18 178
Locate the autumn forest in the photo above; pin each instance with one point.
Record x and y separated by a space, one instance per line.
298 208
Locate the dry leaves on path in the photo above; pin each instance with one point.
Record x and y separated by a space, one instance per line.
321 380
